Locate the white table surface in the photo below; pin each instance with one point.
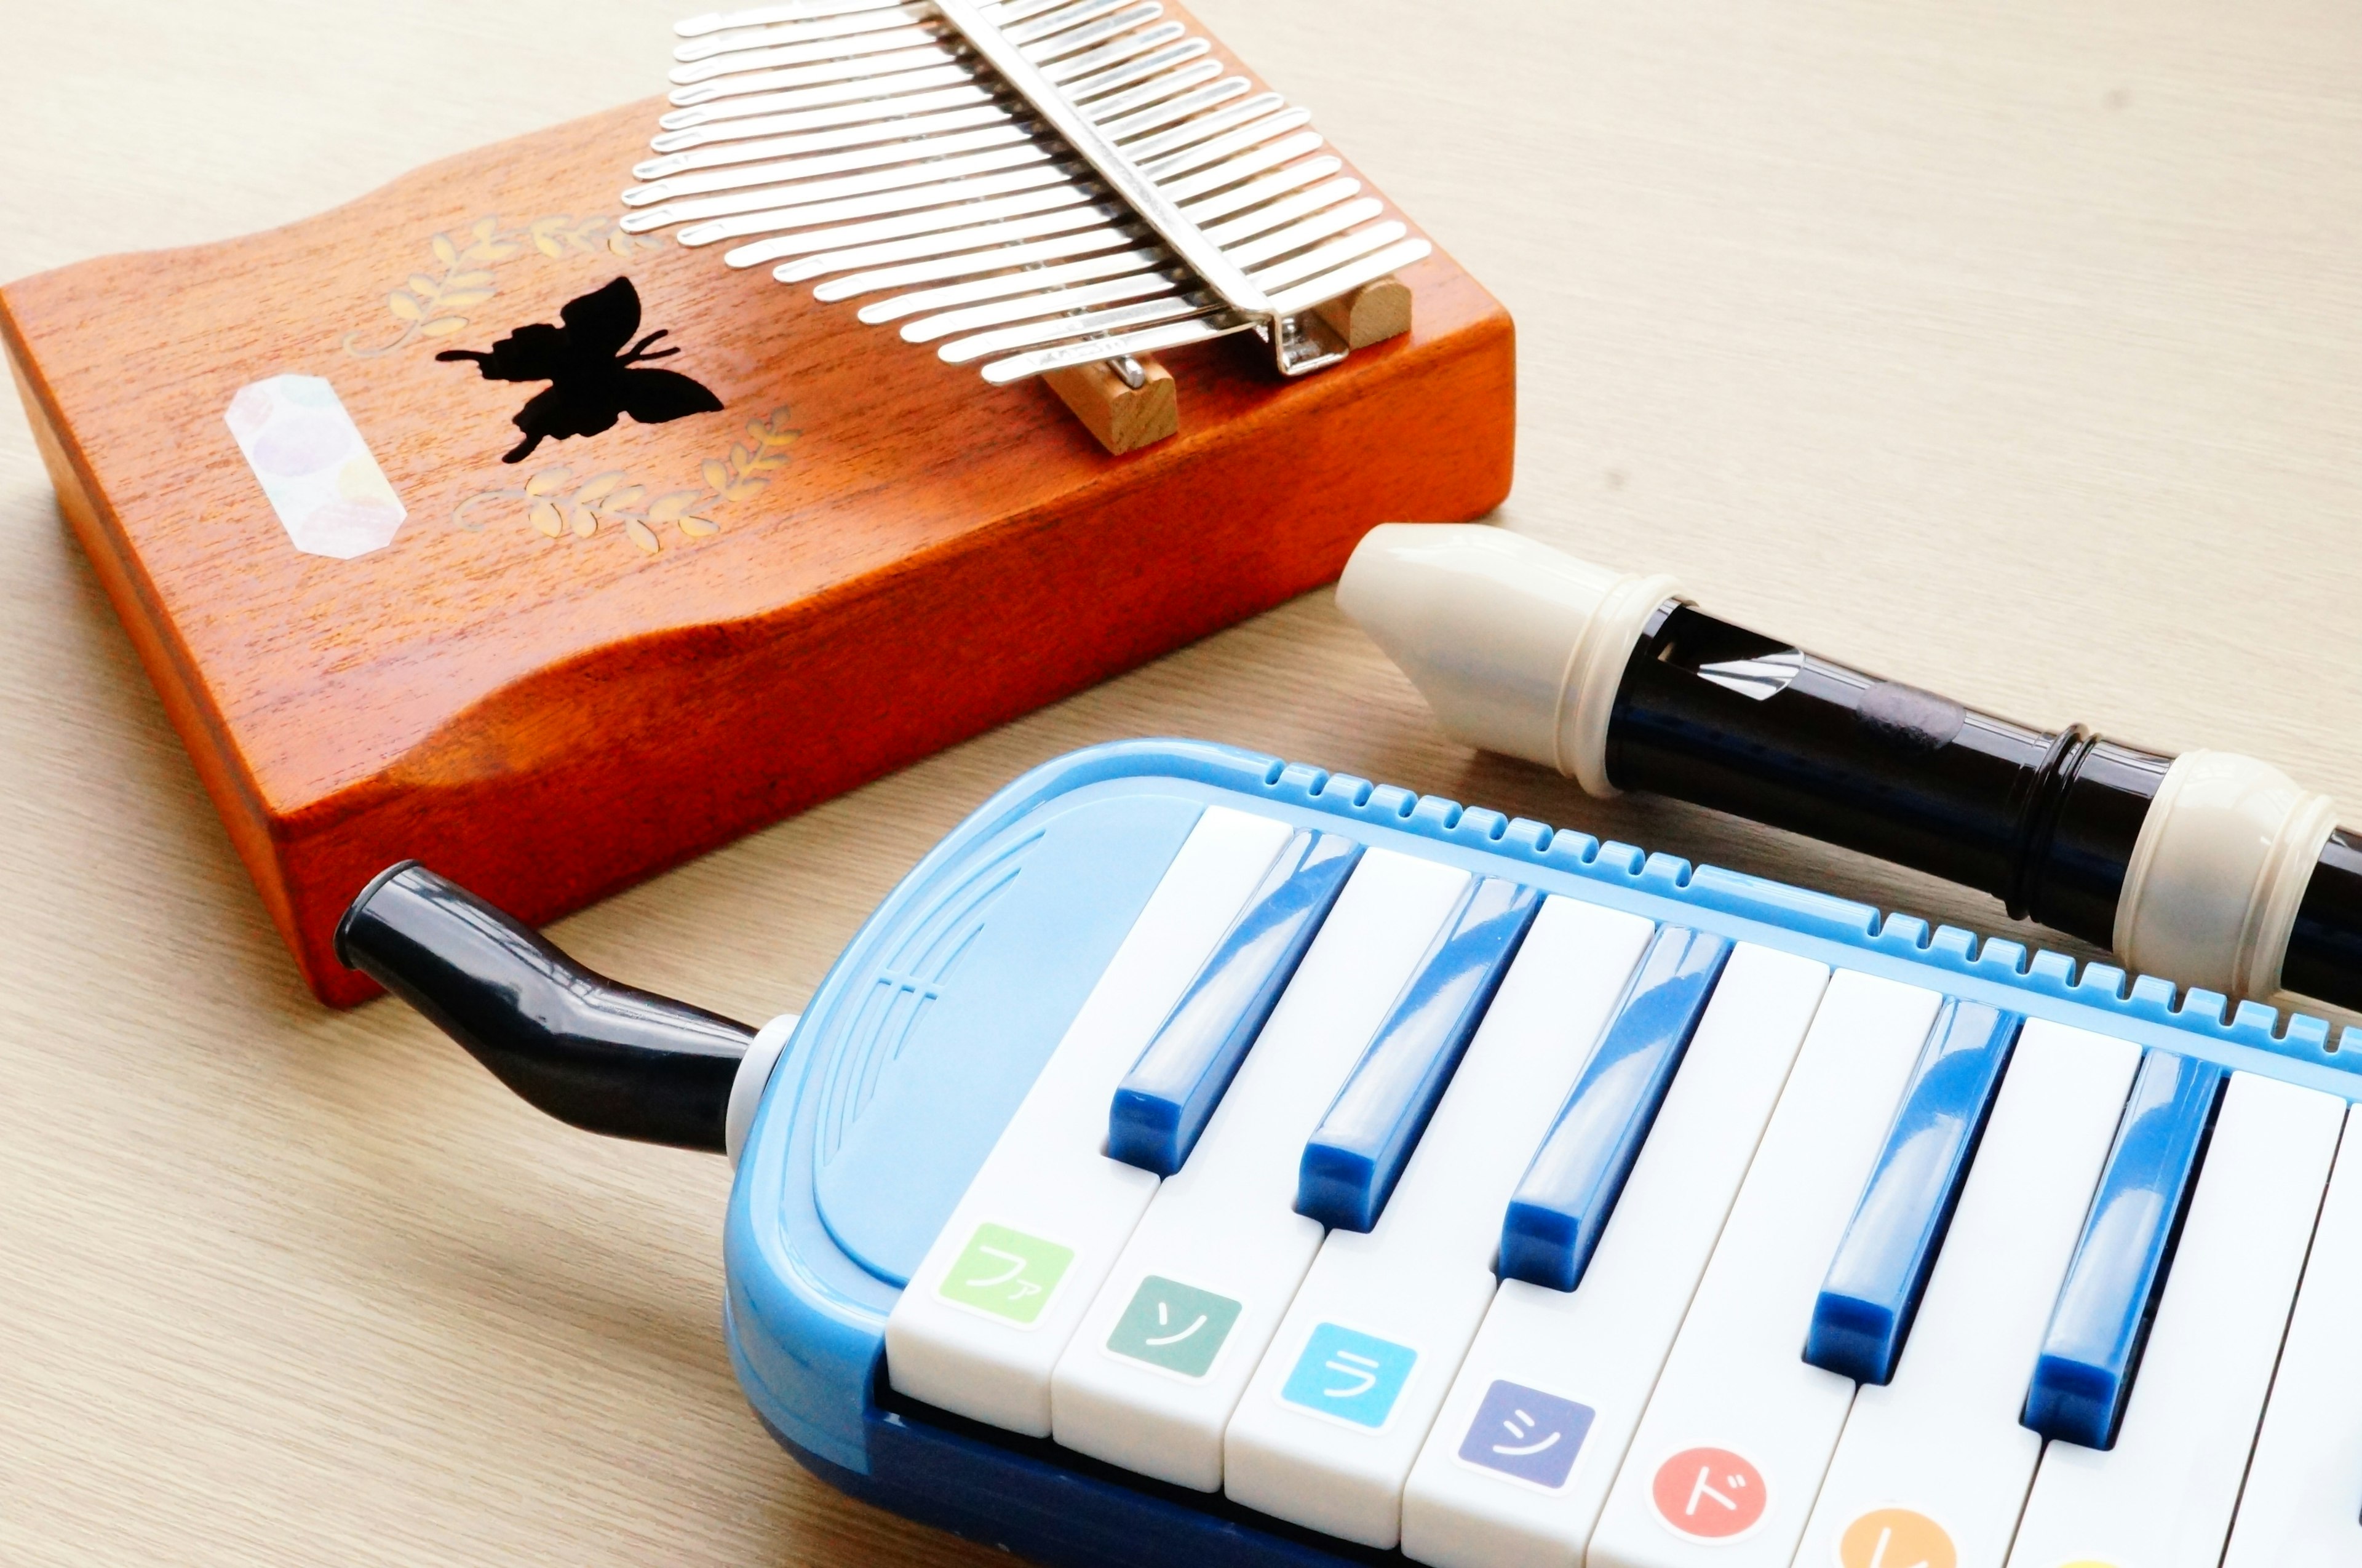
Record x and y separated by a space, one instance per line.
2010 350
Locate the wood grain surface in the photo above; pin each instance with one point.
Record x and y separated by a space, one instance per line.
2012 350
552 681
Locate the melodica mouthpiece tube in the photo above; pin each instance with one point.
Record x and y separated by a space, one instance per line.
2209 869
598 1056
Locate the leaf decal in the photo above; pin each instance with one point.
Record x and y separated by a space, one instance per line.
556 510
428 307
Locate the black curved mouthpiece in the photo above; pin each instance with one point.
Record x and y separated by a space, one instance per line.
598 1056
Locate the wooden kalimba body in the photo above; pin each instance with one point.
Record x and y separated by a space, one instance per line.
557 674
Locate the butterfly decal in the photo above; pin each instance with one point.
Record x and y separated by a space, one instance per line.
593 378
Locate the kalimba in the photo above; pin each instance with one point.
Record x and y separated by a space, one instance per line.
744 549
1199 1159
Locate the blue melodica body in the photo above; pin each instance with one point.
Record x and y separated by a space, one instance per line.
919 1045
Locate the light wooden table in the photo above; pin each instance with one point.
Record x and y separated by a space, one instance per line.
2013 350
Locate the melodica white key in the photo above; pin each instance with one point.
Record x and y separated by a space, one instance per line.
991 1306
1734 1443
2162 1497
1158 1365
2303 1505
1934 1466
1579 1363
1335 1414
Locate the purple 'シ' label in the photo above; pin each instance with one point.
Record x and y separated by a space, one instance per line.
1527 1433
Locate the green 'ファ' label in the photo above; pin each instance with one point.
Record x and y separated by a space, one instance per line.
1006 1273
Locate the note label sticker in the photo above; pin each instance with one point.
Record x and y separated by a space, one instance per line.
314 466
1526 1433
1176 1327
1348 1376
1006 1274
1898 1537
1708 1494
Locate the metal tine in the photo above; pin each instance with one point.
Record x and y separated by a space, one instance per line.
935 268
1047 302
1308 205
1321 198
740 62
1121 126
799 31
1080 76
1210 179
848 103
823 215
770 16
1148 152
934 221
780 200
721 155
704 126
1296 236
883 250
783 198
958 229
1202 148
1058 18
1345 280
1149 68
1204 128
1151 90
1208 323
1060 45
814 166
1027 279
1147 340
961 350
916 127
818 75
1328 257
1206 209
870 94
1008 13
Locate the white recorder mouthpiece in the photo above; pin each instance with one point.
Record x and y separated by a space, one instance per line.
1518 647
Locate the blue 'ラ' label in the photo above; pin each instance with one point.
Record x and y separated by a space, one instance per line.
1349 1375
1527 1433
